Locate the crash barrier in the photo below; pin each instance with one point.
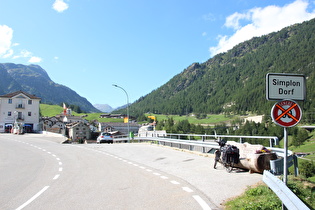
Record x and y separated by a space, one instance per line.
207 144
288 198
276 166
273 140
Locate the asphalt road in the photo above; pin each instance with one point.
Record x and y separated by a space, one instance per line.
37 172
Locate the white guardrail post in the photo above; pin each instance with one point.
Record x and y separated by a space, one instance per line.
288 198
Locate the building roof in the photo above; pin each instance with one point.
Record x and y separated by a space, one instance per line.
11 95
71 125
73 117
113 124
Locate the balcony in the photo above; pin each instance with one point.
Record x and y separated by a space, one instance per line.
20 106
20 118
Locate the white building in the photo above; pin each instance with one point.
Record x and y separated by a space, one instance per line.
20 110
121 127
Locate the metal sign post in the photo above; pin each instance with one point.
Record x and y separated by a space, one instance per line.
286 113
285 160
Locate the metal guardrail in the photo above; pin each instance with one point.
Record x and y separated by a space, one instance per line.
204 144
288 198
272 139
207 144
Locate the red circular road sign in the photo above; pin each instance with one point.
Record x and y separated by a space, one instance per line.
286 113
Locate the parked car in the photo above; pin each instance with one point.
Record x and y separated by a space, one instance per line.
104 138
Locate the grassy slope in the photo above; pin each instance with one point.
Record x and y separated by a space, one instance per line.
210 119
53 110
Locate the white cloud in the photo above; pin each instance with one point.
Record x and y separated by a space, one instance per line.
6 46
60 6
6 34
28 54
23 54
35 59
8 54
261 21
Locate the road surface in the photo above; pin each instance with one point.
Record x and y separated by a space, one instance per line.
37 172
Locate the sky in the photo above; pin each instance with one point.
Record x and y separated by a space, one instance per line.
139 45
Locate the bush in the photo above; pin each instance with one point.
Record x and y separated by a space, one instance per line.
307 169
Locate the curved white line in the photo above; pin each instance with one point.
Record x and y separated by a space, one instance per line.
201 202
32 198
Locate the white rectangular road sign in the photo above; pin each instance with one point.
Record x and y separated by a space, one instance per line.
285 86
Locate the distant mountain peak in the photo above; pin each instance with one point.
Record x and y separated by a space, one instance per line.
34 80
104 107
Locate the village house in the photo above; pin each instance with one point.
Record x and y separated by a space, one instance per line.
73 119
118 127
117 116
78 131
58 123
149 131
19 111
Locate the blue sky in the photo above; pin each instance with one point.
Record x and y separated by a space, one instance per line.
88 45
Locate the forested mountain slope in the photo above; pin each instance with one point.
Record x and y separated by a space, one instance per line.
235 81
35 80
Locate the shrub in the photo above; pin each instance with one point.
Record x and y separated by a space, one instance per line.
260 197
307 169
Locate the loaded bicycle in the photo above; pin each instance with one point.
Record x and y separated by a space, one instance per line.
227 155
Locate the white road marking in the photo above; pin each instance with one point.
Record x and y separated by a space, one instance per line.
174 182
60 169
60 163
164 177
32 198
187 189
56 177
201 202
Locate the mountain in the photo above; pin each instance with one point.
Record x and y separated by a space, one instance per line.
35 80
103 107
234 82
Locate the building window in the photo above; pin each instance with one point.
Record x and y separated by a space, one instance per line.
10 101
29 101
9 113
29 113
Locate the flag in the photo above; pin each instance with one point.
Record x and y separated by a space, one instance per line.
64 109
126 120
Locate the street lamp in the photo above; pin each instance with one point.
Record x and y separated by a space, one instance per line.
127 110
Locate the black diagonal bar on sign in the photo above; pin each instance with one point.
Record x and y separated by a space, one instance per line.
286 112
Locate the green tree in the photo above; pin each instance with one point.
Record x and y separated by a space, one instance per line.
307 168
300 137
183 126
